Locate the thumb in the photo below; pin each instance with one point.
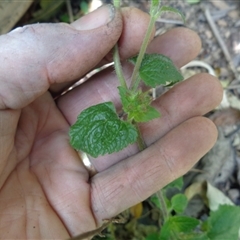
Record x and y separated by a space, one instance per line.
35 56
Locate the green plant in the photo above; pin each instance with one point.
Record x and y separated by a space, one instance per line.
98 129
220 224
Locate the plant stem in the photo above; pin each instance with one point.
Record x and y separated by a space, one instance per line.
163 205
136 84
142 51
135 80
118 67
116 57
112 231
142 145
140 141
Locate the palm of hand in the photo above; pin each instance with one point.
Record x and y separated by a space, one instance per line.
45 185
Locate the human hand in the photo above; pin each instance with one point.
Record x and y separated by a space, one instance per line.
45 190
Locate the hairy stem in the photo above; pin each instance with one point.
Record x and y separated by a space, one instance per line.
142 145
118 67
116 57
142 51
140 141
133 86
163 205
136 84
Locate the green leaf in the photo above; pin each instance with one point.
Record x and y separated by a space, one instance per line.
177 225
154 199
224 223
64 17
155 3
152 236
157 69
173 10
179 202
154 8
193 236
99 131
137 105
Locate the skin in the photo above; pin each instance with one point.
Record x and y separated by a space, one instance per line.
45 190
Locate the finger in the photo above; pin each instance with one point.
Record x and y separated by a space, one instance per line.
193 97
129 42
45 54
135 179
135 24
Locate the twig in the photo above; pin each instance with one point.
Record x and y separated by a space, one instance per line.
220 42
70 12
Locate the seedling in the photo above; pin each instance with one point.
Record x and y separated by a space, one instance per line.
98 129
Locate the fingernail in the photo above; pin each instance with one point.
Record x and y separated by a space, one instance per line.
95 19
